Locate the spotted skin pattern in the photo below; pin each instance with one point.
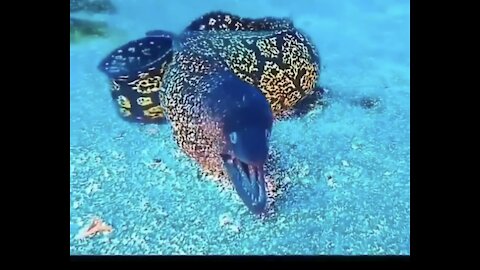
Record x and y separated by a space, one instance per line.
181 98
135 71
138 96
283 64
222 21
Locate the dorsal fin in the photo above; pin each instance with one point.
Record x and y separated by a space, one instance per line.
160 34
219 20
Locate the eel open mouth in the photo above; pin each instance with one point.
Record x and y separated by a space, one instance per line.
249 182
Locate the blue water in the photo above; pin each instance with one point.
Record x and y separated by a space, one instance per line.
349 168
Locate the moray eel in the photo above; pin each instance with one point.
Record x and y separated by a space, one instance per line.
220 83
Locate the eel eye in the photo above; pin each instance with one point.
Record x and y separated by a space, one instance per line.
233 137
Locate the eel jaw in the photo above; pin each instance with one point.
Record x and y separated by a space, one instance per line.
249 182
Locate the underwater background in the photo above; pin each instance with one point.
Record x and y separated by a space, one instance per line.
347 163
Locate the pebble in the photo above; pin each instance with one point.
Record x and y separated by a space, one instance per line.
162 213
330 244
234 228
92 188
330 181
225 219
345 163
197 221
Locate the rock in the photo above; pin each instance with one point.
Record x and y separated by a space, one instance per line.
92 6
81 29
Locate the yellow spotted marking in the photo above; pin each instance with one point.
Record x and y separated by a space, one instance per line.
125 112
154 112
148 85
144 101
124 102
